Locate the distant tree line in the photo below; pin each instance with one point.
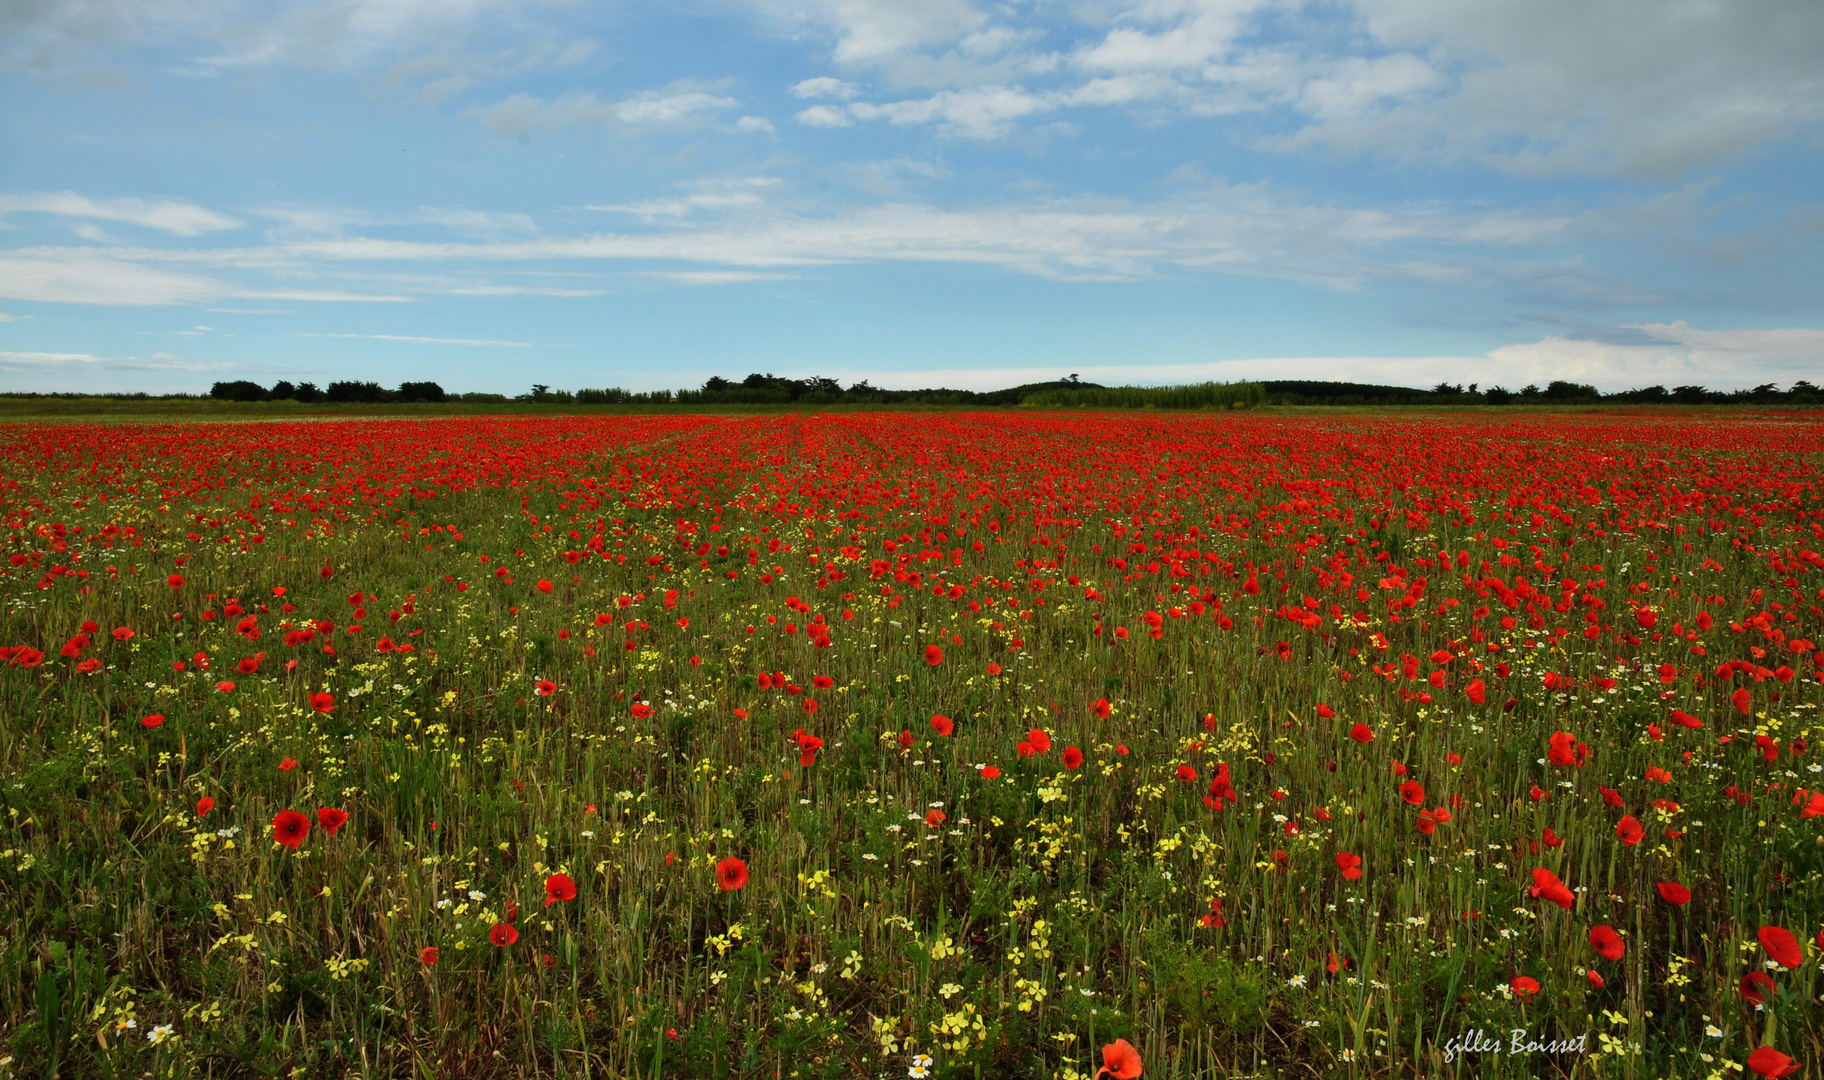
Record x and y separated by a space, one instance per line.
1069 392
408 393
1557 392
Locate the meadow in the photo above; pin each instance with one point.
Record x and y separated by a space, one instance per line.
946 744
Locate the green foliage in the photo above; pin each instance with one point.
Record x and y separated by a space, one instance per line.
1209 395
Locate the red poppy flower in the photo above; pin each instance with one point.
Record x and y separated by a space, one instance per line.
1477 691
428 956
640 710
1768 1062
1756 985
1525 986
290 828
152 721
905 740
323 703
1606 941
1041 742
204 805
1674 893
933 655
1597 982
544 586
1782 946
1187 774
225 687
1324 712
731 874
1121 748
503 934
1629 830
1362 733
122 633
1101 708
1412 792
176 581
822 682
331 819
989 772
1073 757
545 688
994 668
1686 720
1350 865
559 887
943 725
935 818
1120 1060
288 764
1546 886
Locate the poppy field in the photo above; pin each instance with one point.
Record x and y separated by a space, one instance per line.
878 745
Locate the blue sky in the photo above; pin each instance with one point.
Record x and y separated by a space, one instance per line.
918 192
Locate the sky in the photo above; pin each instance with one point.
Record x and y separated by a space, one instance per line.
968 193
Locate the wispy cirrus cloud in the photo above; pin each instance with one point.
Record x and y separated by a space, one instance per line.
178 217
72 361
1251 230
411 340
123 278
681 103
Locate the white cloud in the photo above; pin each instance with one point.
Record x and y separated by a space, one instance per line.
754 124
88 276
1229 228
1170 35
84 278
714 277
472 342
826 116
1595 86
893 174
1124 89
750 223
173 216
6 318
87 35
1353 85
60 361
519 290
1682 355
521 113
658 107
873 31
1673 354
475 222
739 193
982 112
824 86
